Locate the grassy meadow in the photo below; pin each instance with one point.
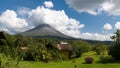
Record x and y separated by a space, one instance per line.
79 62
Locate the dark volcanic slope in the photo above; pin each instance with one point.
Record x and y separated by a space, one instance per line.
44 30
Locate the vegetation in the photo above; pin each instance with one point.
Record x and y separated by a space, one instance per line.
88 60
30 52
100 49
79 47
114 50
78 62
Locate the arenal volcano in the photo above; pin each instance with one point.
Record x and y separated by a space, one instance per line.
44 30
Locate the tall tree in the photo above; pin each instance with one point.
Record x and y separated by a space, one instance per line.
114 50
79 47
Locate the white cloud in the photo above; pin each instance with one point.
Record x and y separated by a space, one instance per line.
60 21
89 6
10 22
48 4
94 7
56 18
95 36
107 6
117 25
107 26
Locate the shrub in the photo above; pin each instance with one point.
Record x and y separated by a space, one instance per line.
100 49
88 60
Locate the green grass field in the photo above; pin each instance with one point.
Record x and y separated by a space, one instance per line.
79 62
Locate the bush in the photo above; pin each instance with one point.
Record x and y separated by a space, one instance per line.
100 49
88 60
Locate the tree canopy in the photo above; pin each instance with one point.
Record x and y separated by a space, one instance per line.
114 50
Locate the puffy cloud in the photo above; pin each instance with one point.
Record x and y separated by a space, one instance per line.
89 6
107 6
57 19
116 9
60 21
117 25
41 15
95 6
107 26
48 4
10 22
95 36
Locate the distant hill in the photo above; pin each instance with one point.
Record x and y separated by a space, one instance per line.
97 42
45 30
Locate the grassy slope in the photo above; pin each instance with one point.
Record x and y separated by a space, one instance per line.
69 63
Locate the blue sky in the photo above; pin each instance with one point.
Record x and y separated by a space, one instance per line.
87 19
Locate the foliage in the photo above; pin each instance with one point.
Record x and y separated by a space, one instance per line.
114 50
9 50
79 47
22 41
5 37
46 41
36 51
100 49
5 62
55 53
106 59
10 39
69 63
40 52
3 41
